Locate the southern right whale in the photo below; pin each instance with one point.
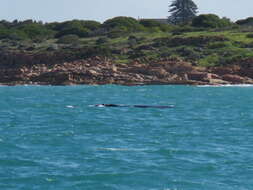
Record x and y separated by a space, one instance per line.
134 106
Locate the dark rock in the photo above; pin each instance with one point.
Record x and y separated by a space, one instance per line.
198 76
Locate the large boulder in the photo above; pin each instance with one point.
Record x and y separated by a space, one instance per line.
178 67
56 78
159 72
222 70
198 76
246 72
233 78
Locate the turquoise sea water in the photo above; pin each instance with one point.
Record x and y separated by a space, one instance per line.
51 139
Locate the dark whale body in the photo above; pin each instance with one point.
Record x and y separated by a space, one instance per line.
134 106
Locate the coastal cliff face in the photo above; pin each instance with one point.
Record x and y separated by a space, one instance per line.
19 69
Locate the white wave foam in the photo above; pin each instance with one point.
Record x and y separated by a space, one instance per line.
121 149
99 106
70 106
227 85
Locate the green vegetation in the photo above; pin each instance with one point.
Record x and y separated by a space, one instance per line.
206 41
211 21
126 24
68 39
245 21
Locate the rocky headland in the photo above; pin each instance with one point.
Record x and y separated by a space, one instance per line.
126 51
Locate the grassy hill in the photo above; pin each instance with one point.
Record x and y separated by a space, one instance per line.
125 39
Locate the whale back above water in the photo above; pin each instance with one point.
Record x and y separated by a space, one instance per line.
135 106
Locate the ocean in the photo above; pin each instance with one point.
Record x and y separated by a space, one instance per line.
52 138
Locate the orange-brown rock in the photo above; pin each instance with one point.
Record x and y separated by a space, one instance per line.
159 72
233 78
42 69
222 70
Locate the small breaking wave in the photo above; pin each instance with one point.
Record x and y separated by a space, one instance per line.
226 85
121 149
69 106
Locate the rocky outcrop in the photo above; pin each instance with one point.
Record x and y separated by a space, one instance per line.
233 78
99 70
198 76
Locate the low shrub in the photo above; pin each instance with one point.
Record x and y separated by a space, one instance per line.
126 24
35 31
183 29
188 53
116 33
218 45
150 23
198 41
249 35
68 39
209 61
102 40
246 21
13 34
210 21
80 32
75 27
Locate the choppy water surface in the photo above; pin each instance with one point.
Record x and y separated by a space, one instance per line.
50 138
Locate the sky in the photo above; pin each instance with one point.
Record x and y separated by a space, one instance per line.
100 10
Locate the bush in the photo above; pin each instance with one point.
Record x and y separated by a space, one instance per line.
101 40
68 39
97 51
217 45
4 33
198 41
5 24
75 27
150 23
188 53
126 24
208 61
250 35
132 41
117 33
154 26
153 29
210 21
17 35
178 30
12 34
80 32
35 30
246 21
91 25
166 27
88 24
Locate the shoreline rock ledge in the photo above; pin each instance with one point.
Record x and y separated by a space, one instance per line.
100 71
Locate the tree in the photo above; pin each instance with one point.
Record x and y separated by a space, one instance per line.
182 11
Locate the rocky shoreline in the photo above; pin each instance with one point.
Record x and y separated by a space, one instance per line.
100 71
